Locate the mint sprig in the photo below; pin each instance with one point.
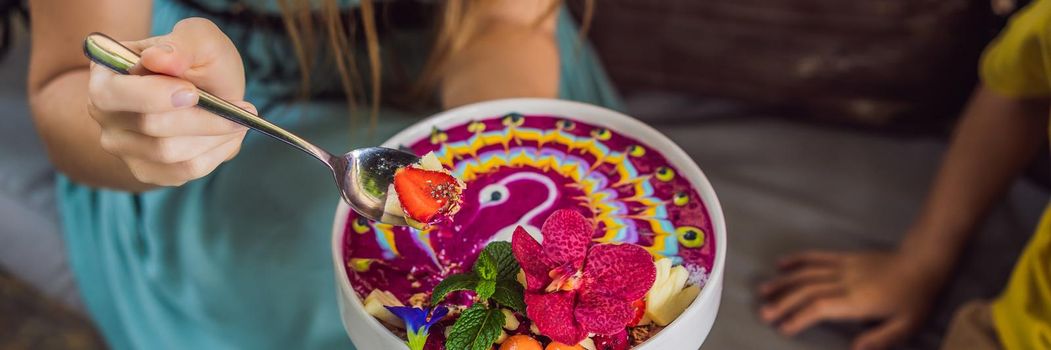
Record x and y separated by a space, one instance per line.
492 276
485 267
476 329
506 264
510 294
453 283
485 289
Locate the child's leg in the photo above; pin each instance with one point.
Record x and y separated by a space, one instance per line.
972 328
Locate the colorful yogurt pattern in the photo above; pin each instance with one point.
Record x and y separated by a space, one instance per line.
518 170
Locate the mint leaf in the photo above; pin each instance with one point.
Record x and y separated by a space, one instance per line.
476 329
485 266
485 289
457 282
501 254
510 294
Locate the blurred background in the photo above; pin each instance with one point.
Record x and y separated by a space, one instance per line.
819 122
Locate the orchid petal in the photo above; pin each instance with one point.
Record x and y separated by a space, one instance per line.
601 314
621 271
529 254
553 315
567 235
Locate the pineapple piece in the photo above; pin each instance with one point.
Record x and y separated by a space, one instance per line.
430 162
384 297
376 303
392 206
588 344
664 301
673 281
510 321
676 305
377 310
520 277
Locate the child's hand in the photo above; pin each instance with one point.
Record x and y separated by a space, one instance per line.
150 122
824 286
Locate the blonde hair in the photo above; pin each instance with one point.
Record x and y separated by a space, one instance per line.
457 20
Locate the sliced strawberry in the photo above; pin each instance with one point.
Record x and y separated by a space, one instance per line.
425 193
639 306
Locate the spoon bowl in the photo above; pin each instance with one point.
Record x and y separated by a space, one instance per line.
362 175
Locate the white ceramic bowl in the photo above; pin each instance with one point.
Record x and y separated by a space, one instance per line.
686 332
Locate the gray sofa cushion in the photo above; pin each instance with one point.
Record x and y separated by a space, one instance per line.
30 240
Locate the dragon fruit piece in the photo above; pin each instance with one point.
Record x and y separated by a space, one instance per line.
601 314
553 315
530 256
621 271
617 341
567 235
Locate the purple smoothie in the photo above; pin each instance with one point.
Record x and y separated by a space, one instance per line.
519 169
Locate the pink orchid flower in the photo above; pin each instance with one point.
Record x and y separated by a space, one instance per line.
574 287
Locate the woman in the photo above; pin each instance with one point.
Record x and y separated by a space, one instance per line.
185 232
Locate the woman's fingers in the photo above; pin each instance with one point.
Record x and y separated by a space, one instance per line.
798 276
198 51
889 333
185 122
798 298
179 173
148 118
166 150
112 92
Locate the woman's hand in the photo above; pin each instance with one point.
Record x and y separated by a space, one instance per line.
150 122
813 287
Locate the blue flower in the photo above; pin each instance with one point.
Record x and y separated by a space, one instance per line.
418 322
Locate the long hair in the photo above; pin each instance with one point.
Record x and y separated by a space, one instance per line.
457 21
11 13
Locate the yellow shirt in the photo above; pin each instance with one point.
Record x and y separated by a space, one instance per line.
1018 64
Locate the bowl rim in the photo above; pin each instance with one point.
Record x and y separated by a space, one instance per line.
595 115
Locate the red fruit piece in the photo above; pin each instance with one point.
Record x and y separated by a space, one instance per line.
640 310
425 193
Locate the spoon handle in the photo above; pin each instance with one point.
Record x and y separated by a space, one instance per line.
108 52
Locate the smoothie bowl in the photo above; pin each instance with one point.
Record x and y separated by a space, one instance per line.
578 225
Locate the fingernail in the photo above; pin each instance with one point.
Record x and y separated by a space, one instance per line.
166 48
184 98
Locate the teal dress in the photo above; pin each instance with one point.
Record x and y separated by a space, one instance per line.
240 259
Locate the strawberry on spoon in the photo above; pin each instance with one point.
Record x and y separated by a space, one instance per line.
426 192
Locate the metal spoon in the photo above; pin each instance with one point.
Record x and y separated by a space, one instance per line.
362 175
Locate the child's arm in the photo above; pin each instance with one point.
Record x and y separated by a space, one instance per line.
509 57
131 132
58 80
996 138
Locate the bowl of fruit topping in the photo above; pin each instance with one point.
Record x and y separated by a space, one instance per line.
535 224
